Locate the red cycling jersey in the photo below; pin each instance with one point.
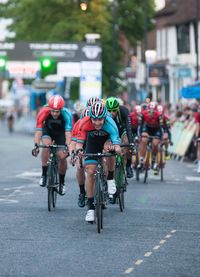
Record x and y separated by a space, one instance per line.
151 120
134 119
197 117
75 130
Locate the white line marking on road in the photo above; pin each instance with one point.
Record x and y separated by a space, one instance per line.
8 201
138 262
147 254
168 236
173 231
192 178
156 247
28 174
162 241
129 270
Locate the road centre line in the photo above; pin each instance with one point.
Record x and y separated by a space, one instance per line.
148 254
156 247
138 262
129 270
162 241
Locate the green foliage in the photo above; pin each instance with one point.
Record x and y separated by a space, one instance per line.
64 21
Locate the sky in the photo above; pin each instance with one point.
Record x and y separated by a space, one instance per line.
5 22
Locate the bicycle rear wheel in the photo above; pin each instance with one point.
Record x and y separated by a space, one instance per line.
99 211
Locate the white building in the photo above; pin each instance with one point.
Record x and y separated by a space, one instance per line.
177 38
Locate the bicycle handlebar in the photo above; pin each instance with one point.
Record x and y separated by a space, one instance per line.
99 155
53 146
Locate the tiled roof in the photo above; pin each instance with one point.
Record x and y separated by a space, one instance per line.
178 11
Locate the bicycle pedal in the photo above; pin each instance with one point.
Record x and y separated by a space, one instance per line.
91 222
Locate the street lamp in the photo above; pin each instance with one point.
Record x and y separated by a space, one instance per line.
197 39
113 65
83 6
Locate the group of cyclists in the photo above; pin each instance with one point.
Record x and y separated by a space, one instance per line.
98 126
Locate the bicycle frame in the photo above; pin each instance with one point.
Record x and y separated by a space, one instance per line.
101 194
52 174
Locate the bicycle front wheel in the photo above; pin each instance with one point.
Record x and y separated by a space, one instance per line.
120 183
50 185
99 211
121 199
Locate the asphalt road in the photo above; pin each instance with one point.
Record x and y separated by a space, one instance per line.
158 234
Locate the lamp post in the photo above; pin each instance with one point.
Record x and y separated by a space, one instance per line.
113 62
197 39
145 46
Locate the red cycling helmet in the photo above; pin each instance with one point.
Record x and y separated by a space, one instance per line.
56 102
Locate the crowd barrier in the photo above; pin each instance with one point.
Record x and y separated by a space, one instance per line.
182 135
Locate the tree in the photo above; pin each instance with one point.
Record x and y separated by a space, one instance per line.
63 20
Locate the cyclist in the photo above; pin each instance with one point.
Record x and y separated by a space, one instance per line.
120 115
134 116
98 132
166 130
54 124
80 173
150 124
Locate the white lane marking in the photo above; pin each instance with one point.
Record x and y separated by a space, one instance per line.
156 247
138 262
162 241
147 254
19 187
8 201
29 174
168 236
192 178
173 231
129 270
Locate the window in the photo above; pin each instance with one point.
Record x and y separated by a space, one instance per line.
183 38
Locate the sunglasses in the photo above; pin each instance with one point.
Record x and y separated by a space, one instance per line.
55 111
115 110
98 119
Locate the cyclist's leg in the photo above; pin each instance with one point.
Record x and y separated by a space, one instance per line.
166 144
142 147
155 143
90 187
128 156
110 162
62 165
80 176
46 140
92 146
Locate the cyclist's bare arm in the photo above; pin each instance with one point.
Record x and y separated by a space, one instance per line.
37 138
68 135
